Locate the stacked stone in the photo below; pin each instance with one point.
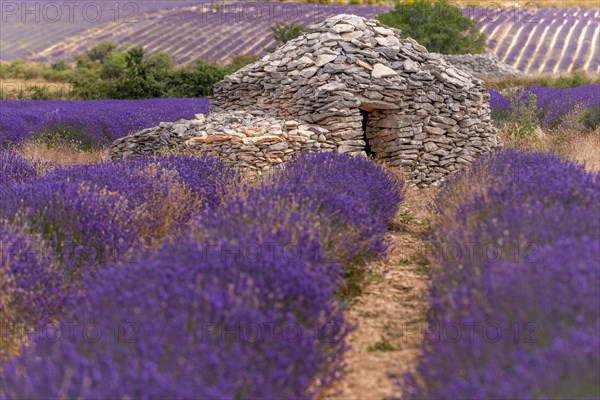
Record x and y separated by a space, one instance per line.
250 141
485 65
152 141
421 113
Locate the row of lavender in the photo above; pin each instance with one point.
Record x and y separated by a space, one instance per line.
554 104
533 39
91 124
515 298
168 278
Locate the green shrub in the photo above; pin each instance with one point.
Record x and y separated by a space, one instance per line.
137 81
523 120
438 25
88 84
100 51
60 65
103 72
51 75
591 118
197 80
114 66
21 69
40 93
284 32
576 78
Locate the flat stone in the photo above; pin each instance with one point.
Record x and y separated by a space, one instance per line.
308 72
411 66
434 130
340 28
324 59
334 86
365 65
390 52
335 68
381 71
349 36
383 31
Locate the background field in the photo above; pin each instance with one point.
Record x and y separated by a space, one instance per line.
532 38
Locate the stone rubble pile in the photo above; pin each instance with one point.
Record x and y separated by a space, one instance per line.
352 85
485 65
247 140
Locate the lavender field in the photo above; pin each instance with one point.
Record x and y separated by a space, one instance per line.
543 40
531 302
252 243
159 277
157 252
92 124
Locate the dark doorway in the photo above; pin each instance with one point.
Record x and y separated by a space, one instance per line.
365 117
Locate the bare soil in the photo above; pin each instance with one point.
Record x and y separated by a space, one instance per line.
390 314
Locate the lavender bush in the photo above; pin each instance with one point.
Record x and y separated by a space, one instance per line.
90 124
245 308
193 324
31 288
553 104
104 212
345 201
83 224
519 289
16 169
499 104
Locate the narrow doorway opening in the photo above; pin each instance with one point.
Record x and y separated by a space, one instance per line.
365 118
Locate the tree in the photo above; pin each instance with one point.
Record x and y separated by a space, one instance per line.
100 51
137 80
437 25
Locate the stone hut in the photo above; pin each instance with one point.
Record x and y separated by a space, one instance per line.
376 92
348 84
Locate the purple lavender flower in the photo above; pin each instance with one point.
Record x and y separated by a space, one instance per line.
521 293
32 289
193 324
247 309
14 168
553 103
92 123
99 213
345 201
498 104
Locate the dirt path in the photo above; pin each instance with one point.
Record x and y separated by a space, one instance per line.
391 310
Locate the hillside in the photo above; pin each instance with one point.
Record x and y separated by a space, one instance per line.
535 41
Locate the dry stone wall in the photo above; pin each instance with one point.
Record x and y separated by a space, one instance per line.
486 65
248 140
351 85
